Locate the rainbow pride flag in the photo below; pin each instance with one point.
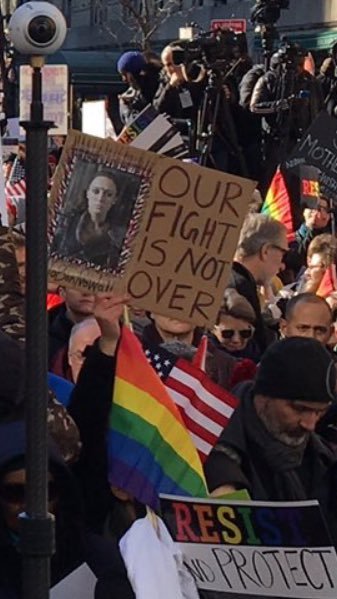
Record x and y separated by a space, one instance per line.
149 448
277 204
328 284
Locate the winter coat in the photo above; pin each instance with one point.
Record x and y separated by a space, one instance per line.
301 112
244 283
12 305
73 545
59 334
171 99
68 531
89 406
266 466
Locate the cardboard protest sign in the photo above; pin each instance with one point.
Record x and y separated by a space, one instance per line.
128 220
254 548
318 147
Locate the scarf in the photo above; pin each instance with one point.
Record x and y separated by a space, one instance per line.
282 460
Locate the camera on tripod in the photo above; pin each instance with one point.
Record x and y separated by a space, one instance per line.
268 12
212 49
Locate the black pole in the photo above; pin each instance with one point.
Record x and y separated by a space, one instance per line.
37 526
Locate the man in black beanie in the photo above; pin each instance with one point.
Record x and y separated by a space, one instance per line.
270 446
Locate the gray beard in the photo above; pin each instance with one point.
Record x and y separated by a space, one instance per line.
289 440
283 437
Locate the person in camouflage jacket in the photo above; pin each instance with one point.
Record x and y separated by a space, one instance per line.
12 341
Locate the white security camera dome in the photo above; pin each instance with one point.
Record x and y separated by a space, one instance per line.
37 28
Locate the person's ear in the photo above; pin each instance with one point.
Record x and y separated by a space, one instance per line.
283 327
264 251
61 291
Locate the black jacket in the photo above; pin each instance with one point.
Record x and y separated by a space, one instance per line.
237 461
302 110
244 283
90 405
68 530
59 332
181 102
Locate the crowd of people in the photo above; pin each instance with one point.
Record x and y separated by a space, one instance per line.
262 112
273 346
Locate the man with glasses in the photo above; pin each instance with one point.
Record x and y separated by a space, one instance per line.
259 257
321 254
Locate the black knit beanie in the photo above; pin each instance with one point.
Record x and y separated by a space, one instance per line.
297 368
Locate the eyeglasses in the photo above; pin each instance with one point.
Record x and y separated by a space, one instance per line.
15 492
319 208
320 266
284 251
244 333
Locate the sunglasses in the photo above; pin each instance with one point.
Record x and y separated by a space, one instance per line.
244 333
15 492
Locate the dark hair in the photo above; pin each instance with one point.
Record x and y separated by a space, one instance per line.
304 298
108 174
237 306
103 173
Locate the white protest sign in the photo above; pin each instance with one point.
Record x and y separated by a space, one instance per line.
94 118
80 584
254 548
54 96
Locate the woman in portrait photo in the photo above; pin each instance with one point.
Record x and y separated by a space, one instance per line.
93 230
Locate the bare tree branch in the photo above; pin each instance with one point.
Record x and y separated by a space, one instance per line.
145 17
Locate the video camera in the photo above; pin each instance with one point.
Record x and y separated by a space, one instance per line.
289 54
268 12
211 49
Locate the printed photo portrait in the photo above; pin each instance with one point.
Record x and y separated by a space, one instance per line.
93 219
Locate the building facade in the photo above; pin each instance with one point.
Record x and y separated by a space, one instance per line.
105 24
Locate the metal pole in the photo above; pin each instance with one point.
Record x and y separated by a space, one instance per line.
37 526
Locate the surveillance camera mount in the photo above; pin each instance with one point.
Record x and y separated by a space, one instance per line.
36 29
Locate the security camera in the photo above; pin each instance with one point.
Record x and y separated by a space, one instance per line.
37 28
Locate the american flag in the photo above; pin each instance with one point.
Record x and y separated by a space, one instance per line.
15 186
205 407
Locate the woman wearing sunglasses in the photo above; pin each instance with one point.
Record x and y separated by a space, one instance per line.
235 328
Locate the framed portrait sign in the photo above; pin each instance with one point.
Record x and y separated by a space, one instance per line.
126 220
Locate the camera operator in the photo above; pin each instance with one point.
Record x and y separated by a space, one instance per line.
142 76
178 97
328 81
289 99
251 126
